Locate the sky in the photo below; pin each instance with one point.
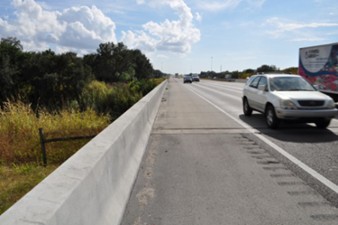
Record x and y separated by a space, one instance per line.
177 36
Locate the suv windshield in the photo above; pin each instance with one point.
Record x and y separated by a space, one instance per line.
290 84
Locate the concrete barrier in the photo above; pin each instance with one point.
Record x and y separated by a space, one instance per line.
93 186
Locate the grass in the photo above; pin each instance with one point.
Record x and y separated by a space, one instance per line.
19 136
17 180
20 151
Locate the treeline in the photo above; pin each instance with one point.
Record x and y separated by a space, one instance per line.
111 76
247 72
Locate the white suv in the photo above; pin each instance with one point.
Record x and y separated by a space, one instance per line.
287 97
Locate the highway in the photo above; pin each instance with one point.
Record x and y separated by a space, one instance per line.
206 163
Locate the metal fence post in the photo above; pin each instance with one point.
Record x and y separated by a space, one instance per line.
43 147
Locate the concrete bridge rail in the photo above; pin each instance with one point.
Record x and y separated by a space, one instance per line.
94 185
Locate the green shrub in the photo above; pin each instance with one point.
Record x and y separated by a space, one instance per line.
120 99
116 98
94 94
145 86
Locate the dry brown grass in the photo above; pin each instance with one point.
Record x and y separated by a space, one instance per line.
19 136
20 152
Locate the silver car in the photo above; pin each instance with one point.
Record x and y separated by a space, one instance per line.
287 97
187 79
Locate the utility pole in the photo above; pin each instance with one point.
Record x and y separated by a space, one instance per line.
211 63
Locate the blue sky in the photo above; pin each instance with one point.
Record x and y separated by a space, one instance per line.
178 36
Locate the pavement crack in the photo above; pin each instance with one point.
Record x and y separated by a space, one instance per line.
325 217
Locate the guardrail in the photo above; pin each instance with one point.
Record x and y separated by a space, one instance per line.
93 186
44 141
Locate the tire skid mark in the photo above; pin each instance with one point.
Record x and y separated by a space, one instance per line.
302 193
280 175
290 183
314 204
275 168
317 207
325 217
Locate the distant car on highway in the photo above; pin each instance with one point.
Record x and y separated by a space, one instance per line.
287 97
195 77
187 79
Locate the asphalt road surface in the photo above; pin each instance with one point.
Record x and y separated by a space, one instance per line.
208 164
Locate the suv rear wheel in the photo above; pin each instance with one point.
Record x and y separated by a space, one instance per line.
246 108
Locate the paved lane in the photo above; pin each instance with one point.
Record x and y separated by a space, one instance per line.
316 148
202 167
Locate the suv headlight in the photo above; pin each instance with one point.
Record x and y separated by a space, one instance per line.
288 104
331 104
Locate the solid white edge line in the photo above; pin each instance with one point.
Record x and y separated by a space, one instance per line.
287 155
302 165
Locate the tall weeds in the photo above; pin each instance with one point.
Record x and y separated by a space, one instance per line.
115 99
19 136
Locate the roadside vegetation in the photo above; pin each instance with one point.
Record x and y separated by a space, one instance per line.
230 75
66 95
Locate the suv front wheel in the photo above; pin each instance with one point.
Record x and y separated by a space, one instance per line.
323 123
270 117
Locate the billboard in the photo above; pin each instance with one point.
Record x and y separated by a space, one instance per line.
319 65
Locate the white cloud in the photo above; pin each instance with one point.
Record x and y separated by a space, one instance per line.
81 29
86 27
5 28
280 27
220 5
308 39
140 40
198 17
73 28
170 35
214 6
289 26
32 19
256 3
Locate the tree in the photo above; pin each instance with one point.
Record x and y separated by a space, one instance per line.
7 74
123 61
104 65
291 70
54 81
142 66
38 71
112 62
159 73
10 52
72 76
12 42
266 69
45 79
249 71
